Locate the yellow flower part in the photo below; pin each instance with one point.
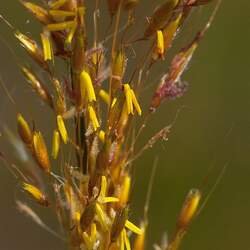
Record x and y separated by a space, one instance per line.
77 216
125 189
61 13
47 47
90 239
128 96
113 102
40 151
62 129
87 240
60 26
86 86
35 193
103 186
126 239
135 102
131 100
101 217
93 232
102 136
133 228
104 96
24 129
122 241
81 10
140 240
160 43
102 198
189 208
56 4
55 144
93 118
71 34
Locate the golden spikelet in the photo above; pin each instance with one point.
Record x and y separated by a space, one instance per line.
40 151
24 130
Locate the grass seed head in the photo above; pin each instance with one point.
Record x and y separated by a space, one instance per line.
24 130
40 151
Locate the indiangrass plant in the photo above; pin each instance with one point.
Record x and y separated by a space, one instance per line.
95 98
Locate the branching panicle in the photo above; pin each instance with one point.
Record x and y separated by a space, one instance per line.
94 103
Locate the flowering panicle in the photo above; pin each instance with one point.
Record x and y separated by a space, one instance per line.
94 100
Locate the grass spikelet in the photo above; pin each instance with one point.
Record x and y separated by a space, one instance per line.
36 193
40 13
24 130
40 151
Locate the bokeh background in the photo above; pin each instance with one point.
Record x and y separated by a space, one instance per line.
213 129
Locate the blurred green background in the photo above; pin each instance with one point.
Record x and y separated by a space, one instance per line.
212 130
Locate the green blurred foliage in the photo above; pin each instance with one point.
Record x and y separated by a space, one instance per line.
212 129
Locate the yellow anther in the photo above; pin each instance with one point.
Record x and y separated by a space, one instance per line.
139 242
56 4
122 241
93 119
113 102
109 199
136 103
55 144
104 96
103 189
62 128
125 189
86 86
87 240
77 216
93 233
61 13
102 198
128 96
90 239
126 240
71 34
101 217
60 26
47 47
131 100
102 136
160 43
132 227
